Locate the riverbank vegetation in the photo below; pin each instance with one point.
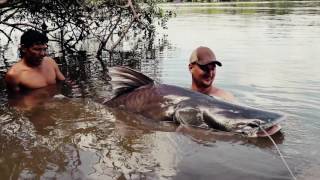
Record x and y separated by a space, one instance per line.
71 23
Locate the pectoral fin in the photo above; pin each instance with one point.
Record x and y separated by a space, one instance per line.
212 122
190 116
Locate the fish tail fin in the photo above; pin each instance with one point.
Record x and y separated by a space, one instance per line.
124 80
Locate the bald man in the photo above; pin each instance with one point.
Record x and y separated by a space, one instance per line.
202 66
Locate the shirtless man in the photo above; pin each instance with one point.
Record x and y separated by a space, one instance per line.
35 69
202 66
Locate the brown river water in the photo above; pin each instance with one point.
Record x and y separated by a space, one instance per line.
271 59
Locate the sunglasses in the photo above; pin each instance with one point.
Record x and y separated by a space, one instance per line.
208 67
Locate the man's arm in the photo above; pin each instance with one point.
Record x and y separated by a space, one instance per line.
59 74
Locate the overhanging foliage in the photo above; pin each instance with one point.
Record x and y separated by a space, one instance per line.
69 22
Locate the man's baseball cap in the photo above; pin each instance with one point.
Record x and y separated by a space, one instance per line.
203 56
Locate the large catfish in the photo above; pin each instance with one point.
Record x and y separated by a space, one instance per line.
137 93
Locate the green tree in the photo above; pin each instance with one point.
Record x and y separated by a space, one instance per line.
70 22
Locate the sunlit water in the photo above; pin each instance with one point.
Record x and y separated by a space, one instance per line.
270 55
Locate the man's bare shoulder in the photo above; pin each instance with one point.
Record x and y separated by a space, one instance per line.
225 95
13 75
51 63
16 70
49 60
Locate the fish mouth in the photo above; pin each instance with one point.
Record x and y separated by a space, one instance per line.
269 131
258 129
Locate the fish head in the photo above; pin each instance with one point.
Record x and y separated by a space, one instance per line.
248 121
256 128
224 116
250 127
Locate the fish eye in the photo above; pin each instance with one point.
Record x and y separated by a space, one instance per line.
253 125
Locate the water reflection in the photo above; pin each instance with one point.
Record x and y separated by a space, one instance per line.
67 138
248 8
30 99
269 62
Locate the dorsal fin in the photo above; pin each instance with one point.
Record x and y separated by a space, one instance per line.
124 80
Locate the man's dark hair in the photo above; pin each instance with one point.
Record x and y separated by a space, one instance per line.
32 37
